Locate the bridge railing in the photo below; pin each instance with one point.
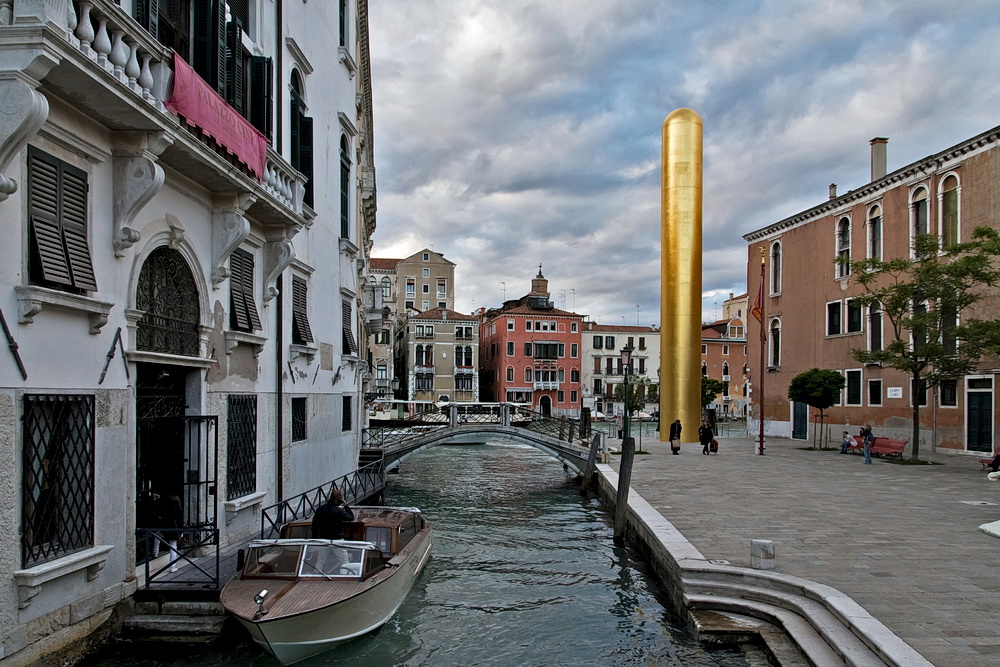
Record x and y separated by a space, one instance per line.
362 483
563 428
379 437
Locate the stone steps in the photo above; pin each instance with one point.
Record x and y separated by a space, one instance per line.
176 620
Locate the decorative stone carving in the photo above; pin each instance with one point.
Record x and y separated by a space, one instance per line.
176 231
229 229
23 111
137 179
278 256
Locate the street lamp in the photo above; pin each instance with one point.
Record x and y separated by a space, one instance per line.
626 363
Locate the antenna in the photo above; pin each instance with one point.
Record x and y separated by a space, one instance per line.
574 299
504 290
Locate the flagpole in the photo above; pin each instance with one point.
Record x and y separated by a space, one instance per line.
763 338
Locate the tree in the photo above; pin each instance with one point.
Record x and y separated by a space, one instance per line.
929 301
816 388
710 388
636 393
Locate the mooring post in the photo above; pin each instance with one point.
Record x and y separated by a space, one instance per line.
596 445
505 415
452 416
624 479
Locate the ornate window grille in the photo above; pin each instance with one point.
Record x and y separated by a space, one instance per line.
346 419
168 295
57 501
241 445
299 419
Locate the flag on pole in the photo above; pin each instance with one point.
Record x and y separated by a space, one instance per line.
758 307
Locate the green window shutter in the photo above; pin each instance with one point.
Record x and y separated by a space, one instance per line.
261 95
235 94
237 296
74 224
306 155
209 37
147 13
301 332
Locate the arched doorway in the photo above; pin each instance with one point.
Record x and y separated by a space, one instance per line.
545 406
175 452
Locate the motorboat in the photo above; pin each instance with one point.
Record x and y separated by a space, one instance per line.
299 596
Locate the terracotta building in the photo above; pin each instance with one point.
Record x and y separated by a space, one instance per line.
811 319
530 353
724 358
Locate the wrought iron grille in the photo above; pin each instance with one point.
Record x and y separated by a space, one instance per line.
58 476
299 419
168 295
241 445
346 417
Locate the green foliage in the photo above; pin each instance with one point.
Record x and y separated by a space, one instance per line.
637 389
928 301
710 388
817 388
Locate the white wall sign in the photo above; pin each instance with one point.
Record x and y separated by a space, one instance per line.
894 392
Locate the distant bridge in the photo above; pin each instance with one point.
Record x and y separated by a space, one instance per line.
399 439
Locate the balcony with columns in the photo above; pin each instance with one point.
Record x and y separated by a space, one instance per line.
93 55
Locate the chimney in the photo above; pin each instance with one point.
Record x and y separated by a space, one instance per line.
878 157
833 190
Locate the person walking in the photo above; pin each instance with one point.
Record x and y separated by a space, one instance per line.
868 438
675 437
705 436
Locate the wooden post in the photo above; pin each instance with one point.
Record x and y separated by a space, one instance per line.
596 445
624 479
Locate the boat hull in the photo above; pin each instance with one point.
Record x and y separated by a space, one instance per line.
294 638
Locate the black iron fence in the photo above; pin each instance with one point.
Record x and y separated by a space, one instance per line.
362 483
196 548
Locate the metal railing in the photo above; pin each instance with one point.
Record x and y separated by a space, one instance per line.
362 483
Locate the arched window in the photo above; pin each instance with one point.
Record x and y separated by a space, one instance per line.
919 212
949 211
874 327
302 136
510 374
168 296
725 368
386 287
776 267
775 343
345 188
875 232
528 374
843 247
704 369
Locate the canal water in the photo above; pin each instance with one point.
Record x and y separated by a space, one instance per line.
523 572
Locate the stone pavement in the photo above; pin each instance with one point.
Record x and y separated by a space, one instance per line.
902 541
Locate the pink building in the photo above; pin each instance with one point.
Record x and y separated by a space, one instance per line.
530 353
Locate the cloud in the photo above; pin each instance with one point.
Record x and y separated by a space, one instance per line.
510 133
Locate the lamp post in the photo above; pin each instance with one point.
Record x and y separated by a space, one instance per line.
627 458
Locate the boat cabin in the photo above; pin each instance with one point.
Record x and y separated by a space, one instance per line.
307 559
389 529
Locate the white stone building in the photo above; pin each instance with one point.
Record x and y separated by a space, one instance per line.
186 204
600 346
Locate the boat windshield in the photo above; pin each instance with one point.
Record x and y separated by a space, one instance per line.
273 559
381 537
332 561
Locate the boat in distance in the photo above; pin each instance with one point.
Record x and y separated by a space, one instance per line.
299 596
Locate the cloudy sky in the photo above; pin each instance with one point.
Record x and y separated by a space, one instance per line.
510 133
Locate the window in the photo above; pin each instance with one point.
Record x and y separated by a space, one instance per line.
386 287
383 337
424 382
242 309
918 212
562 350
463 383
57 476
57 217
918 391
853 387
301 137
560 396
843 247
425 288
598 387
426 273
510 374
572 396
425 304
949 320
833 318
775 268
725 350
345 188
510 348
875 232
527 325
949 393
301 333
704 348
630 341
423 355
853 316
918 338
598 342
725 368
574 350
527 349
343 23
704 369
510 325
411 287
427 257
442 288
949 211
597 364
408 304
775 343
346 416
572 327
350 346
874 328
463 356
642 365
528 374
442 304
241 445
875 392
561 374
609 342
642 342
299 415
574 375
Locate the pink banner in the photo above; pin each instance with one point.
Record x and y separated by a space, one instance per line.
199 105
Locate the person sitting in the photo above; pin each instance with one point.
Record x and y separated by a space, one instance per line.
329 519
846 442
995 463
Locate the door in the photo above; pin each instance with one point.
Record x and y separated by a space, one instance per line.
979 418
545 406
800 421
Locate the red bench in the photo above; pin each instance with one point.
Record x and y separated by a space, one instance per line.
881 446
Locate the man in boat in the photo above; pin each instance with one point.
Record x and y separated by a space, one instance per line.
329 519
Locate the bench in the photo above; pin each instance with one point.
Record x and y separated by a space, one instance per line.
881 446
986 462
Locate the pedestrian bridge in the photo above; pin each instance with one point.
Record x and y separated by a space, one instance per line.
394 441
